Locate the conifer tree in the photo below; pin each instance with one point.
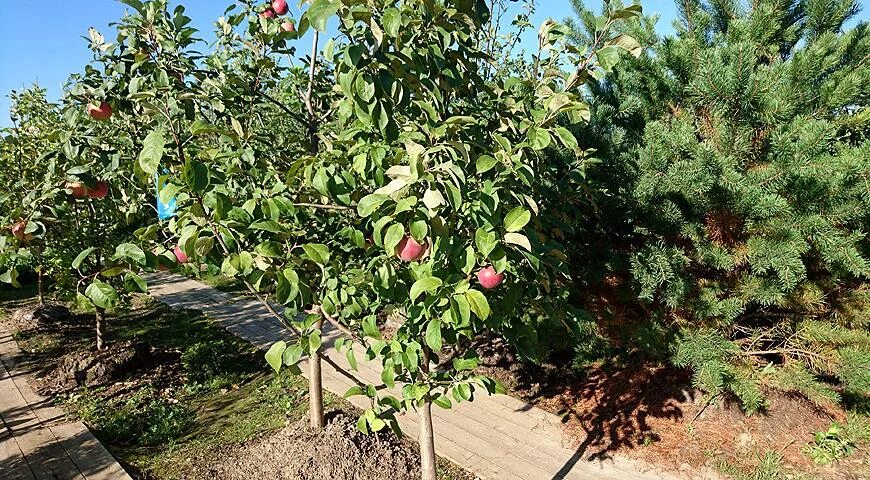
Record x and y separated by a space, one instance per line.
745 184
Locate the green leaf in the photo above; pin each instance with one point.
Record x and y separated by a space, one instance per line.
393 237
77 263
135 283
130 252
461 364
518 239
275 355
443 402
468 260
608 57
539 138
392 19
102 294
567 138
485 163
292 354
317 252
516 219
627 12
370 203
353 391
361 425
268 226
628 44
426 284
314 342
152 152
485 241
351 358
433 335
320 11
478 303
196 175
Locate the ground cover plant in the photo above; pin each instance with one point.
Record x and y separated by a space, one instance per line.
195 396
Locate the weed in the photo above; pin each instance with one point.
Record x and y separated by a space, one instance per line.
769 468
214 364
829 446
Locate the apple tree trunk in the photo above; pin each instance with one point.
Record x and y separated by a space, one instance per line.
100 317
315 387
427 435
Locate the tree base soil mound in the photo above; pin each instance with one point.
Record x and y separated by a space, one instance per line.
35 315
92 368
298 452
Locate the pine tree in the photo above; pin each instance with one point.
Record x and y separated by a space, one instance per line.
745 179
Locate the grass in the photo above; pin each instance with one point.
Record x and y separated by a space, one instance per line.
208 391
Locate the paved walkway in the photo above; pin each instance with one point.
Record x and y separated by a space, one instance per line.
37 441
496 437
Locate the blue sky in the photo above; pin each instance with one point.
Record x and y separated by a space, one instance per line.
44 42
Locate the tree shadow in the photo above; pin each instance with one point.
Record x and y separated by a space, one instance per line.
615 408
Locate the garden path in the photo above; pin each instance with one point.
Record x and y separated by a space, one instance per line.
37 441
495 437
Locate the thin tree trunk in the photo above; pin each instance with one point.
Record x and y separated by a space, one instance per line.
315 387
427 435
40 288
101 316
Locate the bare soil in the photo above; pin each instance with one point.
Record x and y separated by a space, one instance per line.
650 411
298 452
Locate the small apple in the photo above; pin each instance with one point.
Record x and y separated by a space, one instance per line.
288 27
77 189
103 112
280 7
409 250
18 231
488 278
100 191
179 254
268 13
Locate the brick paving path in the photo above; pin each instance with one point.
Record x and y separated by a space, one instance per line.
496 437
37 441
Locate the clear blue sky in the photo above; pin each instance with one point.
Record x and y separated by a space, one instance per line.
44 42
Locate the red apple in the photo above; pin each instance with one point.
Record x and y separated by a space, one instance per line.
288 27
179 254
103 112
78 189
488 278
409 250
100 191
280 7
268 13
18 231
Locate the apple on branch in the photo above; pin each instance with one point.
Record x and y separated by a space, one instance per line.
77 189
102 112
280 7
488 278
409 250
19 231
179 254
100 190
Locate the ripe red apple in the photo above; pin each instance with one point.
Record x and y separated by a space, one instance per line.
288 27
179 254
268 13
100 191
78 189
103 112
18 231
488 278
280 7
409 250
